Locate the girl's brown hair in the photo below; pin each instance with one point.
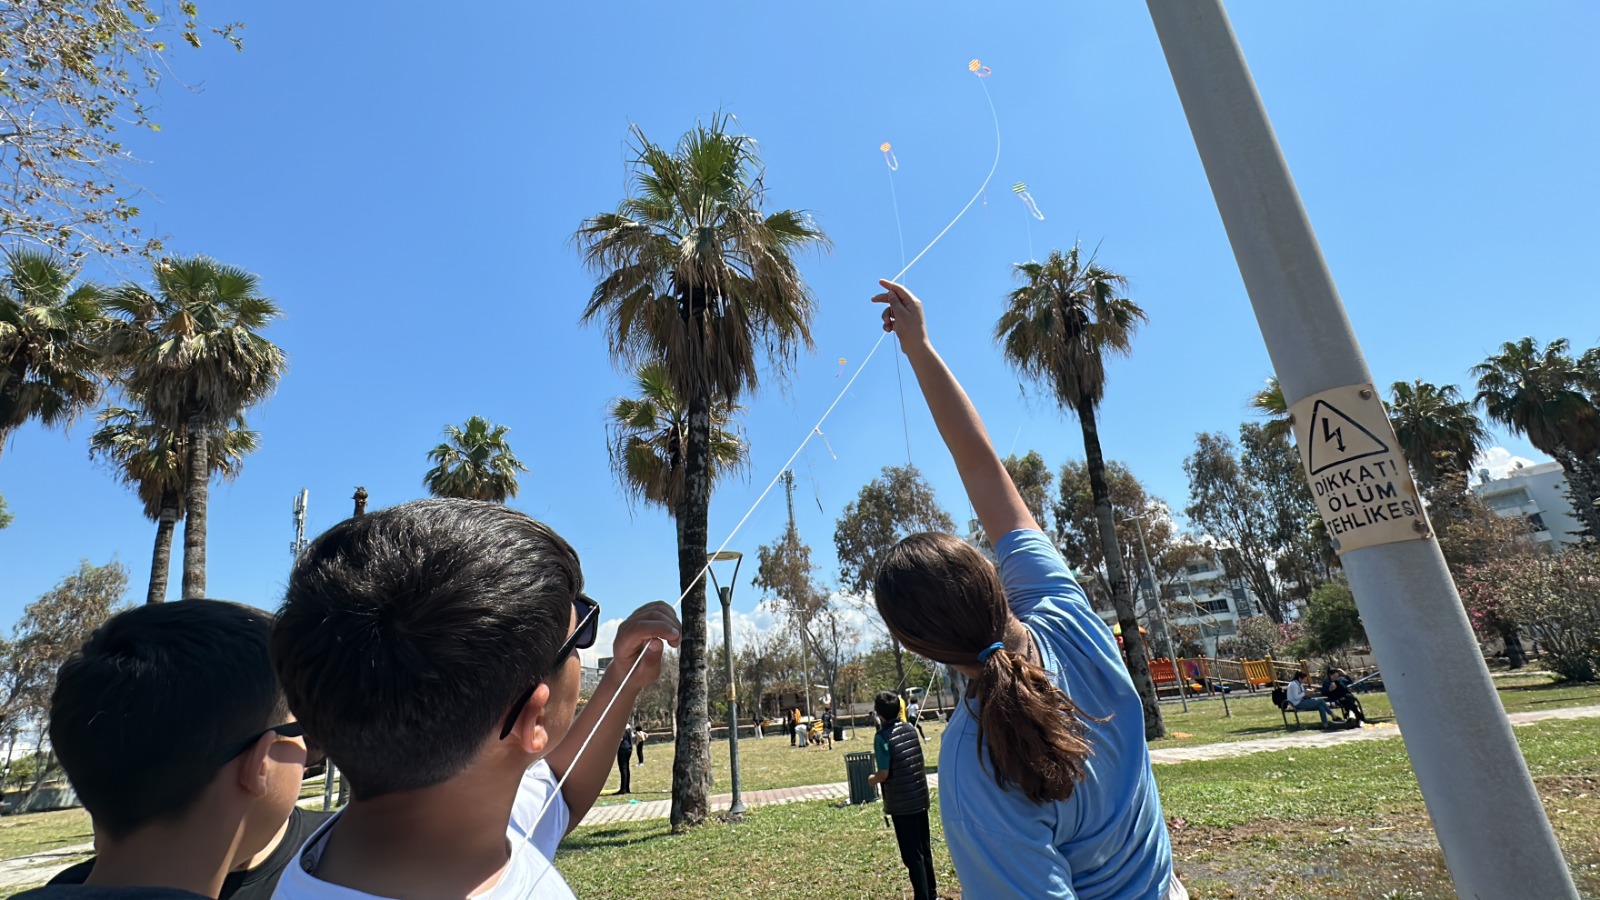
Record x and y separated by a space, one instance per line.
943 600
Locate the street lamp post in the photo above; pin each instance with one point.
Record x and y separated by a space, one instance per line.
725 594
1161 611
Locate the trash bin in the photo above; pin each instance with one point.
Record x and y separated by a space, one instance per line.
858 768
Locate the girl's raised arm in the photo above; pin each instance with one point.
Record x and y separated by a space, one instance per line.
995 499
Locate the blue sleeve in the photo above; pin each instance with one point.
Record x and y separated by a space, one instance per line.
1032 570
880 750
1043 594
1027 869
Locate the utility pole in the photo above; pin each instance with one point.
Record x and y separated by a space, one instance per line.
302 501
1161 611
800 627
1497 841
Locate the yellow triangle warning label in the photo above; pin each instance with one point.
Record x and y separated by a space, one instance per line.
1335 439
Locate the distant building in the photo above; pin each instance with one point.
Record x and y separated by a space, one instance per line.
1203 597
1538 495
591 679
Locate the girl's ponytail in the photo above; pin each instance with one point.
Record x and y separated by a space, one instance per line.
1033 732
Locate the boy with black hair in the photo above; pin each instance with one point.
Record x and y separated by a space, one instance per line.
430 648
171 728
898 751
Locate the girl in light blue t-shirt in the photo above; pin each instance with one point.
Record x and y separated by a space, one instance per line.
1045 788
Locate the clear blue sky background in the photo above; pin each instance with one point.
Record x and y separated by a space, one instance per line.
406 182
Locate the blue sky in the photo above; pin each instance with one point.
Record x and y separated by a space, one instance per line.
406 184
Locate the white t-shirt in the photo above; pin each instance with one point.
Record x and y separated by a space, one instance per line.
528 875
1295 692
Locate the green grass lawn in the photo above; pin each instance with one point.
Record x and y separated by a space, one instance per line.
1352 821
763 765
1254 716
1350 818
798 851
32 833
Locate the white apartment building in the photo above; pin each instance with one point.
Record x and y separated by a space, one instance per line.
1205 598
1538 495
1202 596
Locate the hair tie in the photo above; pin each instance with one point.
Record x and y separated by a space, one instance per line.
985 653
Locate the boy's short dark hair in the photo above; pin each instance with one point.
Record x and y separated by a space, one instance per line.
887 705
143 712
407 634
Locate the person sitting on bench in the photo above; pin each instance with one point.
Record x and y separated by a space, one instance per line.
1296 691
1337 689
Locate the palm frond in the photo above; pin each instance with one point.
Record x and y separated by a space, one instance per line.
1061 323
647 440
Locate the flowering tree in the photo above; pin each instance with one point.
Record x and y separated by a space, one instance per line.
1554 599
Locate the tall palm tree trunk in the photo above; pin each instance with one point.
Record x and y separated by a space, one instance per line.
195 496
691 765
1121 599
161 559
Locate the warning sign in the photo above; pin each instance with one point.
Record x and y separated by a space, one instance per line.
1360 480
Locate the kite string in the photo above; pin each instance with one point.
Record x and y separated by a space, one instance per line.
606 710
905 425
979 193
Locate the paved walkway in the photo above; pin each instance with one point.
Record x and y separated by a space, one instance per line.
39 868
1299 740
42 867
660 809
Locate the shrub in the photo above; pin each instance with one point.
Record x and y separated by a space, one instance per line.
1555 600
1260 637
1332 621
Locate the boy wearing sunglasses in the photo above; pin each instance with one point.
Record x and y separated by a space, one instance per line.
431 649
172 729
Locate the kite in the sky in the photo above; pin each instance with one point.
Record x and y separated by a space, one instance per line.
841 367
826 444
888 157
1021 190
978 68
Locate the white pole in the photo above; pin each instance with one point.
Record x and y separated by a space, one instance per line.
1496 839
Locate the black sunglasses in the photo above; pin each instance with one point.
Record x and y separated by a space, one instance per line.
582 638
289 730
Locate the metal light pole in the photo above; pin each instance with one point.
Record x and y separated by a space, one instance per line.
1496 839
1161 610
725 594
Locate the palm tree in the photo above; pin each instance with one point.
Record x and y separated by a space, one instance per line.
1057 329
1269 402
51 327
151 459
474 463
192 350
1542 393
1549 397
694 276
649 438
1437 429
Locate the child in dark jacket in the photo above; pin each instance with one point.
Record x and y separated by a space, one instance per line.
905 792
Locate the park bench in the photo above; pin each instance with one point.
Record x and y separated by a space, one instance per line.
1258 673
1280 699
